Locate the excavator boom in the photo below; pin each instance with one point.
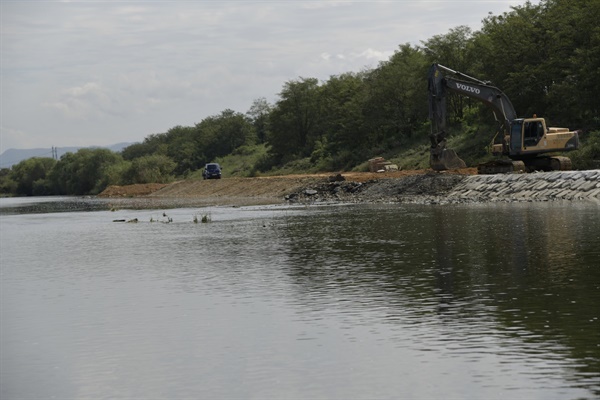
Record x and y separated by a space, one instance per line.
442 79
524 140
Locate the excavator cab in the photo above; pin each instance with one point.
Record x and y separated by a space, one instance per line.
526 134
530 137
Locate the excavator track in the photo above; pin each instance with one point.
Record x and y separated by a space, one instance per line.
564 163
554 163
501 167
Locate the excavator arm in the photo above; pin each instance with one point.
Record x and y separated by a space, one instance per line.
441 80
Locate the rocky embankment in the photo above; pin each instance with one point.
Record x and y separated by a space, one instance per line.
439 188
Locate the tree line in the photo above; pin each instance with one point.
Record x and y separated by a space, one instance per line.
545 57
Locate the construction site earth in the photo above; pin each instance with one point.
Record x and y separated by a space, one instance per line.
387 186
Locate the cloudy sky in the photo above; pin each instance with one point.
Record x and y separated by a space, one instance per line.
83 73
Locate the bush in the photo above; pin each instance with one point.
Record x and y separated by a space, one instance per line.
155 168
588 155
30 176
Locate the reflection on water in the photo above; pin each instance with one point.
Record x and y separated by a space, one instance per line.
484 301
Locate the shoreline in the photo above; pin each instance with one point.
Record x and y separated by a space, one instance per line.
422 187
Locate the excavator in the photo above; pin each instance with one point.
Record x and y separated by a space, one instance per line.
526 142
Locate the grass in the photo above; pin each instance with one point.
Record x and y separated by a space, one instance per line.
242 161
205 218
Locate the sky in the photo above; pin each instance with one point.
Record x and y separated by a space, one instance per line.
96 73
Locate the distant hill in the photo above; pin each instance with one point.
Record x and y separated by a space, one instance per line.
14 156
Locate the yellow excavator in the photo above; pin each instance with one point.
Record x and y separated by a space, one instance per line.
526 142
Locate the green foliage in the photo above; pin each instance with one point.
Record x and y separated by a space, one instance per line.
181 146
455 50
83 172
416 157
588 156
259 117
242 161
115 174
31 175
396 102
222 134
8 186
546 58
296 166
343 101
295 120
136 150
156 168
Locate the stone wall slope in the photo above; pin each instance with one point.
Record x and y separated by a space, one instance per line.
443 188
541 186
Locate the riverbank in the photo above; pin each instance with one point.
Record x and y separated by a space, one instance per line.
419 186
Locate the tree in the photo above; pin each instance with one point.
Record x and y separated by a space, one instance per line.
156 168
396 104
342 121
514 51
83 172
295 120
546 58
181 146
453 50
259 118
220 135
153 144
7 183
574 46
30 176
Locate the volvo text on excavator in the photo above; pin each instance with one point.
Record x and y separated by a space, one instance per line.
525 141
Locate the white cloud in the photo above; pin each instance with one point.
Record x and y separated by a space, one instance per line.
88 101
92 72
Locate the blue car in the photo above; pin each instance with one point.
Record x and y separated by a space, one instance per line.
212 171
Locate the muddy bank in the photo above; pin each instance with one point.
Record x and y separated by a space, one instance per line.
250 191
425 187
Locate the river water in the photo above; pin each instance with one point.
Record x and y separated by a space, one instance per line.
488 301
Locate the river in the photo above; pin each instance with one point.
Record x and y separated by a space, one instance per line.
480 301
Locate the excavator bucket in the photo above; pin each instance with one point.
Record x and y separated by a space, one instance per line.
445 159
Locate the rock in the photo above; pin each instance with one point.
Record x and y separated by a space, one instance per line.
310 192
356 187
336 178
